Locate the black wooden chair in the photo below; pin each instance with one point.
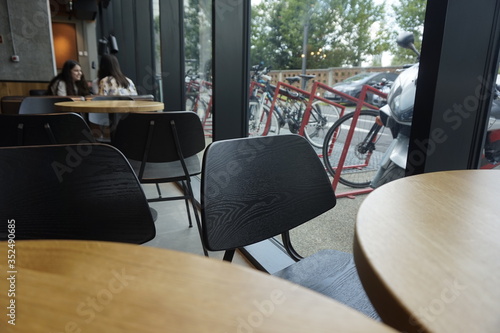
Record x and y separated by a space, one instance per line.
147 97
43 129
41 104
81 191
162 147
256 188
38 92
11 104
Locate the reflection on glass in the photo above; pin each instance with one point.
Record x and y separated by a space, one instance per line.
198 60
491 152
302 50
157 53
299 50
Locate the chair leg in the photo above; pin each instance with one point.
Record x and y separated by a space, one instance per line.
158 190
184 188
196 216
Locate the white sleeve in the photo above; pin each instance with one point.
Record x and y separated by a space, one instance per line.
131 88
61 89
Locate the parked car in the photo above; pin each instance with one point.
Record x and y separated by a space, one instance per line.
353 85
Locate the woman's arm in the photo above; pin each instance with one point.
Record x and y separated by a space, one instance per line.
61 88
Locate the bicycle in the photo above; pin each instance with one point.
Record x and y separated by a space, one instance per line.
199 97
363 152
288 108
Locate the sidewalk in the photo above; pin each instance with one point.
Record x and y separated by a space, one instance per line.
331 230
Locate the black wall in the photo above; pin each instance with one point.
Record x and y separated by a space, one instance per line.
130 21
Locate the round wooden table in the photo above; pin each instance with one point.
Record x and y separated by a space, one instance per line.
427 250
88 286
108 106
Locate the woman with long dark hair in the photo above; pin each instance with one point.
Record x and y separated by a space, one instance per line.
70 82
111 79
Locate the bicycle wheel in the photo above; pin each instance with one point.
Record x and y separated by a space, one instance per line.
191 102
258 115
365 152
323 116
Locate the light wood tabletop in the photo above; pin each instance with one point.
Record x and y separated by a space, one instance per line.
88 286
427 251
108 106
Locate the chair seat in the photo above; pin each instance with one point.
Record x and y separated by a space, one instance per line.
157 172
101 119
333 274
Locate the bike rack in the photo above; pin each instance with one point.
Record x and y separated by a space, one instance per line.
360 102
312 96
307 111
206 124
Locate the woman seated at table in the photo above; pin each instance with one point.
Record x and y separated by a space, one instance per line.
111 80
70 82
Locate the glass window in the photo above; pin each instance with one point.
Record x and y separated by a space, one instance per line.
310 64
490 155
198 60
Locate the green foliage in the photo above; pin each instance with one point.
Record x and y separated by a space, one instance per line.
192 30
340 32
410 16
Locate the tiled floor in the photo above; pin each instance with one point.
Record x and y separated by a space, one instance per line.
172 226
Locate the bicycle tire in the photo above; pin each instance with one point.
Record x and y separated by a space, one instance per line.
322 117
258 120
191 102
360 166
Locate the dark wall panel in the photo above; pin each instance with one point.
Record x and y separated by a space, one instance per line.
453 94
231 26
172 53
130 21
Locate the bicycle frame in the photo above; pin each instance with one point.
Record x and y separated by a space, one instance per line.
307 95
198 87
371 136
261 93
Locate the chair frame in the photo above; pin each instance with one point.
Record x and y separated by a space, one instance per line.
267 166
41 104
43 129
256 188
151 145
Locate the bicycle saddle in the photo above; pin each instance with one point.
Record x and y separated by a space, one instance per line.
292 79
307 77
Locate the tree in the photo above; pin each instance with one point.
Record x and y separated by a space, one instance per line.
362 38
340 32
410 16
192 33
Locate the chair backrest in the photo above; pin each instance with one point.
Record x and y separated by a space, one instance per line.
43 129
111 98
148 97
41 104
82 191
11 104
156 133
38 92
255 188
